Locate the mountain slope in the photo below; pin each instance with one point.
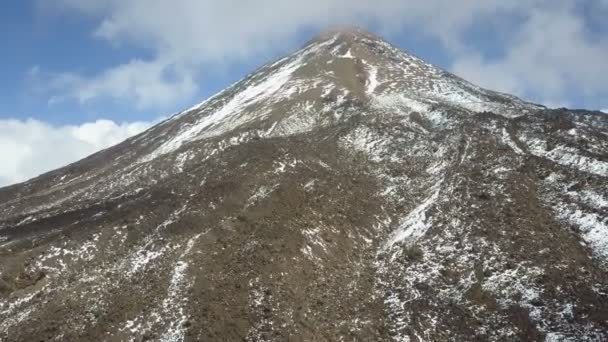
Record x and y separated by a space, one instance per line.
349 191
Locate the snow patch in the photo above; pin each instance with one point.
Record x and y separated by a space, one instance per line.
227 115
507 140
261 193
348 54
372 79
569 157
417 222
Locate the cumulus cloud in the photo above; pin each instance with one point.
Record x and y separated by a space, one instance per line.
549 48
551 55
31 147
549 45
194 31
143 84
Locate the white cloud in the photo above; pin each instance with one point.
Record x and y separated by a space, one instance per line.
191 35
551 54
194 31
32 147
549 47
604 110
143 84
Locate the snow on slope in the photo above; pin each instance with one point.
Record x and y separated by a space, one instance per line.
229 115
425 206
393 79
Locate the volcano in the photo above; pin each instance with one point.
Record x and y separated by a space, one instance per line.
347 192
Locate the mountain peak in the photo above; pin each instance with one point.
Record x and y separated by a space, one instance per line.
346 31
348 191
324 82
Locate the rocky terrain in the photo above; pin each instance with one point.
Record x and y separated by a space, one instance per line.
347 192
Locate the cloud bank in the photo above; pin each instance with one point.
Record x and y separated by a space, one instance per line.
546 50
543 50
31 147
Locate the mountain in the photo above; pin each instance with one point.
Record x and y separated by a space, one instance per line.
347 192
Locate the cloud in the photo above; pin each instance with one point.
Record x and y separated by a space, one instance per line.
548 44
210 31
143 84
604 110
552 55
191 35
31 147
548 49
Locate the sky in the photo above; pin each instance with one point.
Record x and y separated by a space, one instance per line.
78 76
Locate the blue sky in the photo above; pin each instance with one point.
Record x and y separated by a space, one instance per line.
114 67
58 42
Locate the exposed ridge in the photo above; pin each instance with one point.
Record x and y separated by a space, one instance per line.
346 31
